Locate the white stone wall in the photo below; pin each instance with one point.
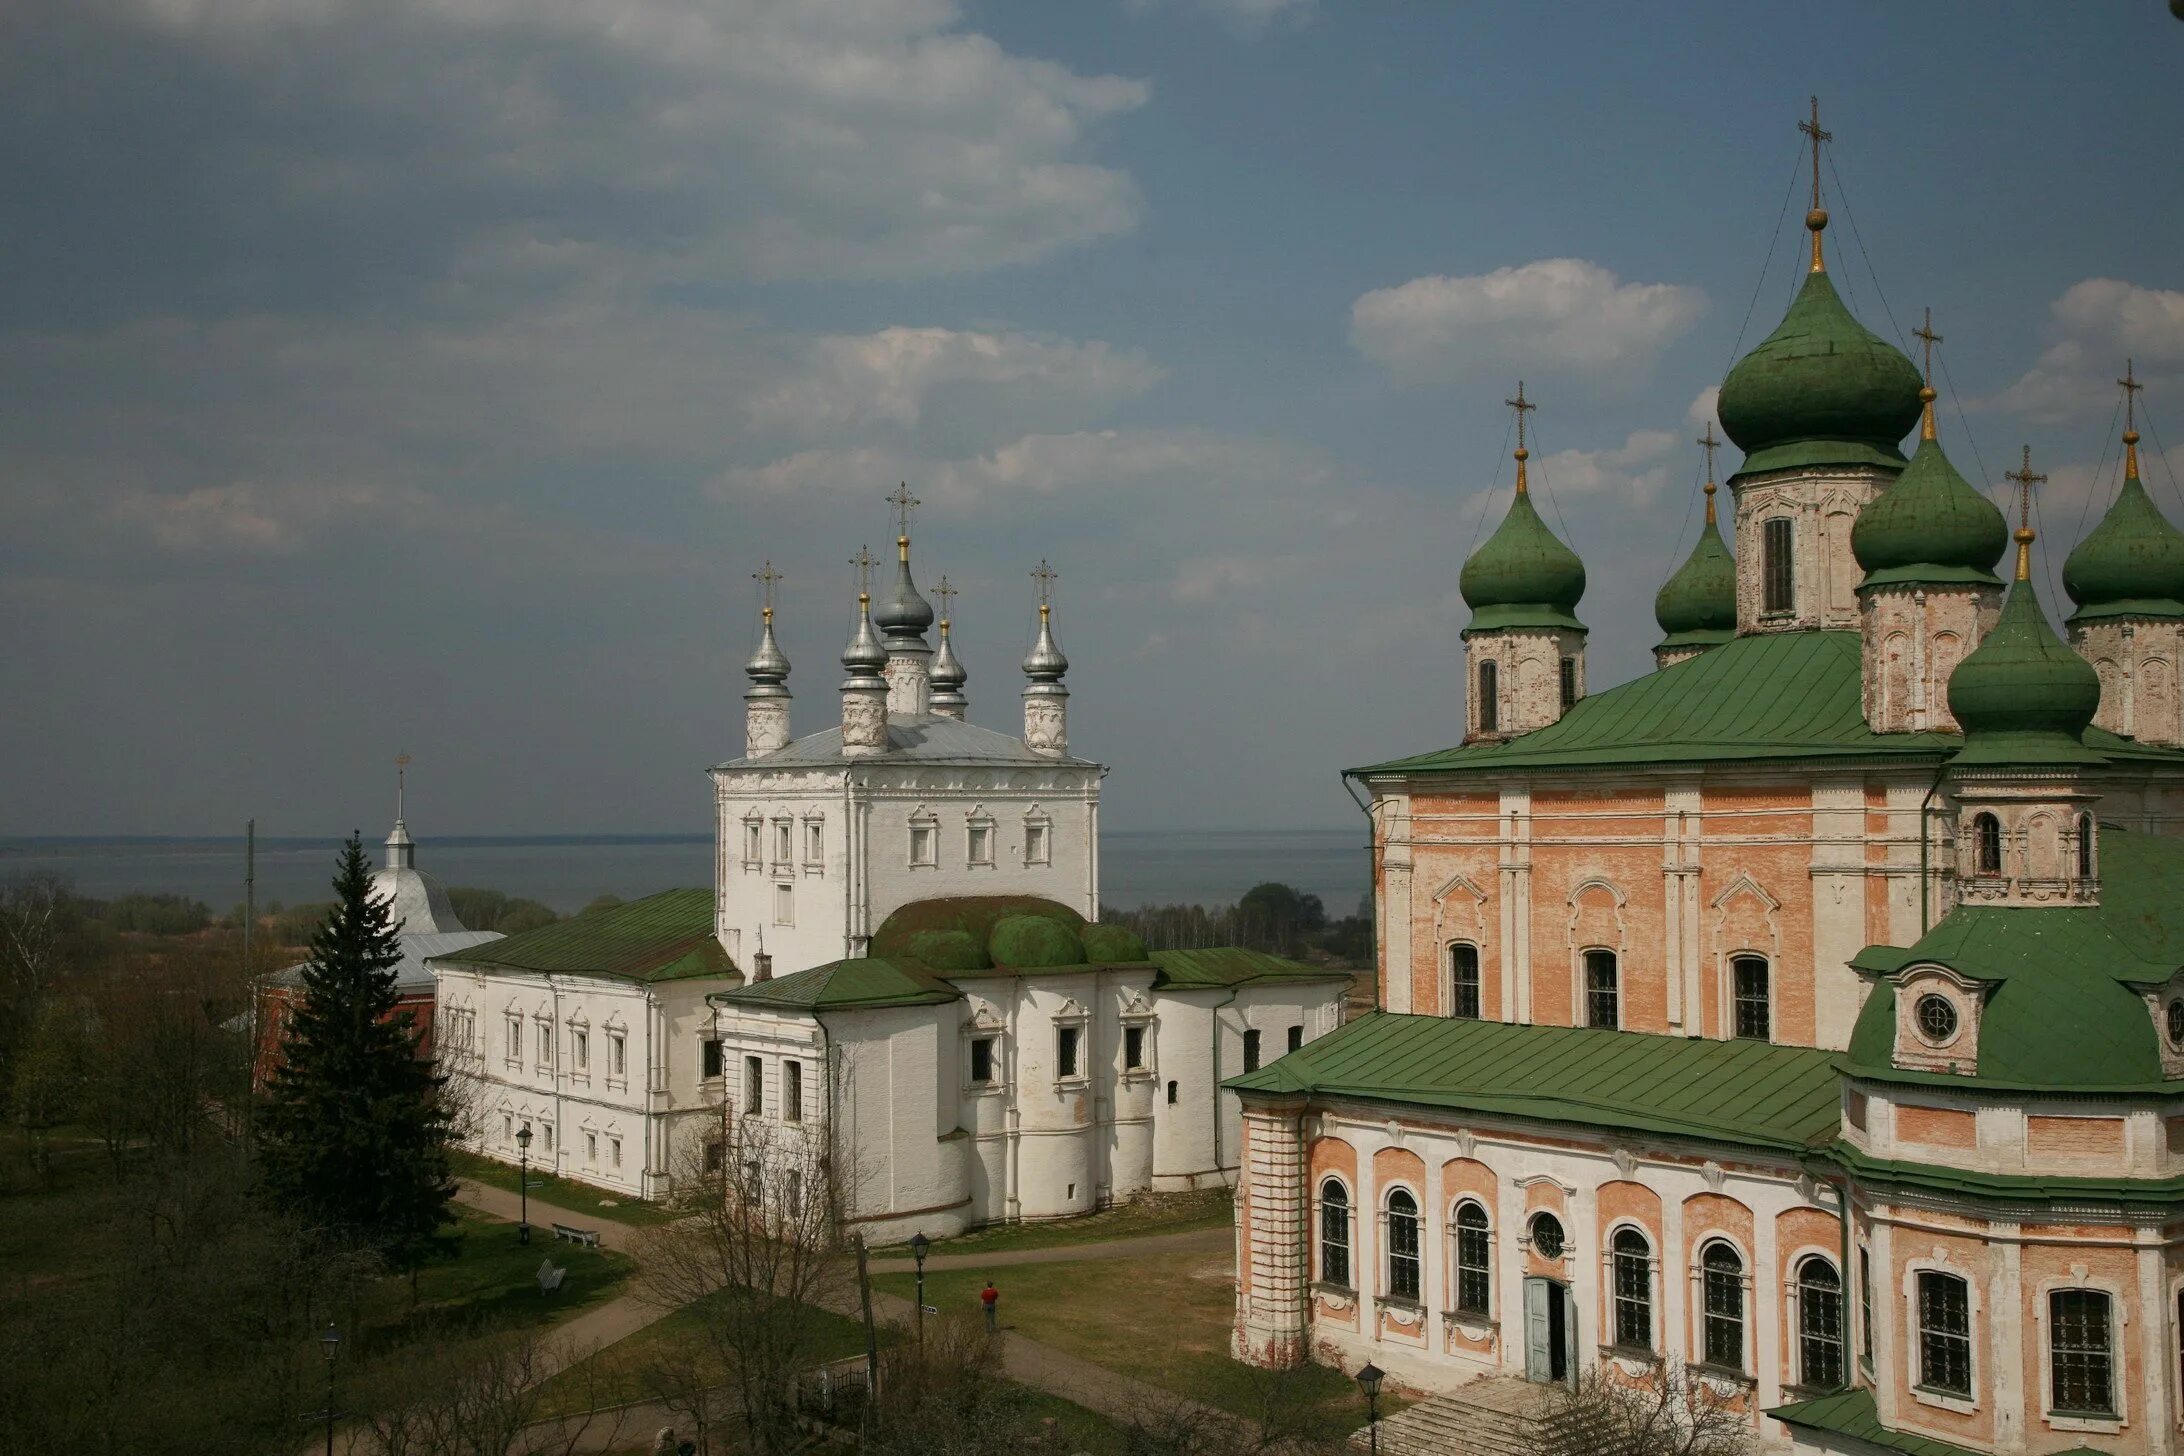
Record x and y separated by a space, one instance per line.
1198 1140
1822 503
2137 660
1913 638
1528 663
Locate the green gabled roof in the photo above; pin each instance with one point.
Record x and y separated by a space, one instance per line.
663 937
2061 1009
1851 1413
1767 696
865 983
1752 1093
1232 966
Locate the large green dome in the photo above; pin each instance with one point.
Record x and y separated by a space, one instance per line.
1523 576
1820 390
2131 564
1930 518
2022 696
1698 606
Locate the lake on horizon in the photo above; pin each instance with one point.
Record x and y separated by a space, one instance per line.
1142 867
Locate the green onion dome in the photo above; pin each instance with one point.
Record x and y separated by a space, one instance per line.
1523 576
1930 525
2132 563
1698 606
1820 390
2022 695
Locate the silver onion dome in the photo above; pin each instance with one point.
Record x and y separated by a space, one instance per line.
768 665
864 656
1045 662
903 614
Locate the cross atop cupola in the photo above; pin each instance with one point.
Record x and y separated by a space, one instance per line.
1817 219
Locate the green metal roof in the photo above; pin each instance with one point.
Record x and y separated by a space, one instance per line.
1232 966
2157 1194
1930 518
2022 696
1850 1413
2062 1009
1753 1093
1701 598
1819 390
663 937
866 983
1523 575
2130 564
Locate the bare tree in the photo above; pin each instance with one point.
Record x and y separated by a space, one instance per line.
1667 1412
490 1404
757 1254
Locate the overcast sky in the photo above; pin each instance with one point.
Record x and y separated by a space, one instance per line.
433 374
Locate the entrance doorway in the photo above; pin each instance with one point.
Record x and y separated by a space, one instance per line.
1550 1332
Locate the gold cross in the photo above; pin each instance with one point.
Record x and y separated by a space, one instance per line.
1711 444
947 595
2026 480
1523 407
1812 129
904 503
864 561
766 576
2131 387
1926 332
1046 576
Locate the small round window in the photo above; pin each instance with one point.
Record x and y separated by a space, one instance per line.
1937 1018
1547 1236
2176 1023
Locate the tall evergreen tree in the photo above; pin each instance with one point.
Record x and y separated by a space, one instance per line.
355 1130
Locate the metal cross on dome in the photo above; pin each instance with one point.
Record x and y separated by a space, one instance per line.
947 593
1523 407
1046 576
864 561
904 503
2026 480
2131 387
1812 129
766 576
1926 335
1710 444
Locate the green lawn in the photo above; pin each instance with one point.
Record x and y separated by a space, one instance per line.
561 1192
1163 1319
1161 1214
620 1367
492 1283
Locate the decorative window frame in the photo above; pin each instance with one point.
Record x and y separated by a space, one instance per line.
1914 1051
1319 1282
1038 818
1746 1376
1793 1310
783 857
579 1026
926 821
1914 1353
617 1031
814 827
1072 1015
512 1019
1449 948
1861 1304
1137 1015
2119 1319
2157 999
549 1062
984 1025
979 824
1474 1322
1656 1312
754 842
1406 1311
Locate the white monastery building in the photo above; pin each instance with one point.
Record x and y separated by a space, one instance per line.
900 955
1808 1012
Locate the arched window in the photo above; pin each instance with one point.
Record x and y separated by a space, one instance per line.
1403 1264
2085 846
1752 1001
1474 1266
1986 844
1779 585
1819 1324
1463 981
1601 1000
1489 697
2081 1353
1334 1234
1633 1286
1721 1272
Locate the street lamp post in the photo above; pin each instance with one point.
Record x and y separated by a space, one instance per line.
918 1245
1368 1380
329 1344
523 1183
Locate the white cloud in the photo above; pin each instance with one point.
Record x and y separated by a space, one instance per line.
1563 311
260 516
2097 324
895 376
1246 16
1639 467
1203 578
1705 411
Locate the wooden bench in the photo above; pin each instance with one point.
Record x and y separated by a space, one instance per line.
589 1238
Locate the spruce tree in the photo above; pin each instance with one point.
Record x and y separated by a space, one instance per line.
355 1129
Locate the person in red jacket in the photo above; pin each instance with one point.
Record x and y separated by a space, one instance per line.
991 1298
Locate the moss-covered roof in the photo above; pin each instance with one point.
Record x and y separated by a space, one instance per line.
1752 1093
1820 390
2131 564
1697 607
663 937
966 933
1930 518
2022 696
1523 576
2062 1007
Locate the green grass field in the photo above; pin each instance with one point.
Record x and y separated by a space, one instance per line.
1167 1214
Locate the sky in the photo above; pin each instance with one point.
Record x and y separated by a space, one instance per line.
432 375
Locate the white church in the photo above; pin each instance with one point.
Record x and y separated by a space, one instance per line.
900 953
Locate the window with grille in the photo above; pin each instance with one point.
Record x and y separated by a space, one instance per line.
1777 557
1752 1001
792 1091
1569 683
2085 846
1986 844
1600 989
2081 1359
1820 1324
1865 1310
1633 1285
1403 1260
1463 981
1945 1333
1489 697
1721 1274
1334 1234
1474 1266
754 1086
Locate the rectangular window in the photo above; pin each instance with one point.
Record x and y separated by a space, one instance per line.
1065 1051
1489 694
1569 683
784 904
750 842
709 1057
591 1147
781 841
548 1129
1133 1048
754 1086
815 841
546 1043
617 1054
1463 981
580 1050
2081 1363
508 1128
1778 562
1035 843
980 849
1251 1051
792 1194
1865 1310
512 1044
1752 1014
716 1155
1945 1333
1296 1037
614 1151
921 844
1601 998
982 1061
792 1091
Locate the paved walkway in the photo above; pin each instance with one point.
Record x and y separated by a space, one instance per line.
1190 1241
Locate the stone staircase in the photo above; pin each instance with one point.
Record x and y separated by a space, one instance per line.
1494 1416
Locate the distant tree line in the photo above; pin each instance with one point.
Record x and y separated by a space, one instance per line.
1272 917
